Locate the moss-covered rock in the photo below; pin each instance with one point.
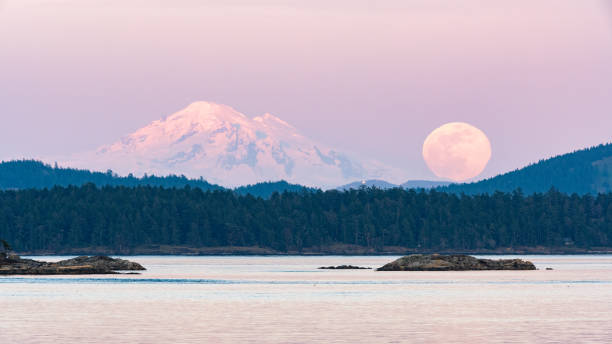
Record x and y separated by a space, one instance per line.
436 262
85 265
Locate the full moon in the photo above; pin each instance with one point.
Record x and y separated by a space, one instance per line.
457 151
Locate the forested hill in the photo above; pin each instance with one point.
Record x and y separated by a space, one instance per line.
266 189
116 220
584 171
32 174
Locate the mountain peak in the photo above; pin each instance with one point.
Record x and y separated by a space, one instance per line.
202 111
202 105
226 147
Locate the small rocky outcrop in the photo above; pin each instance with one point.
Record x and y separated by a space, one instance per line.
436 262
85 265
344 267
102 262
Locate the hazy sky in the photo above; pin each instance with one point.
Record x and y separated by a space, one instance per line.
372 77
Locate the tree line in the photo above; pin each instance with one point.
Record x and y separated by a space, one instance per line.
121 218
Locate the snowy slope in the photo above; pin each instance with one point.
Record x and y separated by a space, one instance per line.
223 146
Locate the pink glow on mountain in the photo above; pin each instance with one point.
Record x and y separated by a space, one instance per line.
224 146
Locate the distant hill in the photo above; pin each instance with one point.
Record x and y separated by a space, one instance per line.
584 171
33 174
266 189
379 184
423 184
384 185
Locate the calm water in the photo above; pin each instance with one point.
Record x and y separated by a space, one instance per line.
287 300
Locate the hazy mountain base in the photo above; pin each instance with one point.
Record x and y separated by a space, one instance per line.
384 185
338 249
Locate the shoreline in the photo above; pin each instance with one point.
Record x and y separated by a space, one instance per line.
337 250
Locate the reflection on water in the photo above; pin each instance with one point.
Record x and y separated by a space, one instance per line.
288 300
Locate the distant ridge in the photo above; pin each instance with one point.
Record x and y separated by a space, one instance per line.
266 189
384 185
34 174
380 184
585 171
423 184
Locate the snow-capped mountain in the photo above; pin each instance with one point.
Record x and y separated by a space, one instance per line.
224 146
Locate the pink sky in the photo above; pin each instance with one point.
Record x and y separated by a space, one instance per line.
375 79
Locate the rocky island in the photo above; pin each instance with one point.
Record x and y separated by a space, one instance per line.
437 262
344 267
84 265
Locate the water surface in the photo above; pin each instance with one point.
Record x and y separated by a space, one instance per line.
287 299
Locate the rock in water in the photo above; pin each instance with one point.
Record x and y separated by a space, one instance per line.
436 262
344 267
14 265
102 262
